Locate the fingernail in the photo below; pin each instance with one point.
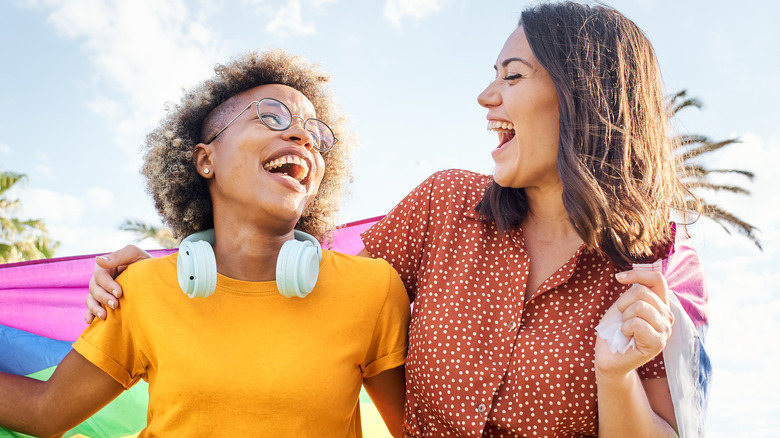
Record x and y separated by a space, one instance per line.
112 304
104 258
621 275
115 293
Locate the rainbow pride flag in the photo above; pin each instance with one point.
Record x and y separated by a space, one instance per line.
42 313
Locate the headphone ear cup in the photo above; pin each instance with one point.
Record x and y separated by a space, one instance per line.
196 268
297 268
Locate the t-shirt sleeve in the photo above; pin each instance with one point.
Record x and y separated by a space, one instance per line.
400 237
110 344
391 333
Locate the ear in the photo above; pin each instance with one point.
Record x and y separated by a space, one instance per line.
201 157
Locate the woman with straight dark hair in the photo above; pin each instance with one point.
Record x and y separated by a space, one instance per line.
512 273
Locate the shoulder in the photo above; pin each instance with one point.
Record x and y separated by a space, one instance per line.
459 178
456 186
346 263
149 271
355 272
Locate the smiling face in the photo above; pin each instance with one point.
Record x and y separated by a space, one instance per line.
523 109
257 173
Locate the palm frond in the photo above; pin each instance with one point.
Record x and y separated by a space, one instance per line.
691 148
143 230
729 221
699 184
9 179
680 100
21 239
706 146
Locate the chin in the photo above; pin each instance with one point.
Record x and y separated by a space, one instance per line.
500 179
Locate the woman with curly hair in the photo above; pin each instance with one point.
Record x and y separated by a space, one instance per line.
259 155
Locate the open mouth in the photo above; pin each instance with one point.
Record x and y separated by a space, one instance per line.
505 130
292 166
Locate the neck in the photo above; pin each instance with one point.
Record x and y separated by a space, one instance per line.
248 253
547 218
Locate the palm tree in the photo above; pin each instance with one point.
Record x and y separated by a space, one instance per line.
696 177
162 236
20 239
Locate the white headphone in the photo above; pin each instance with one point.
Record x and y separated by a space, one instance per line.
297 266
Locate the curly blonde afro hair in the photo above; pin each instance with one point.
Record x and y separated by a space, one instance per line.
181 195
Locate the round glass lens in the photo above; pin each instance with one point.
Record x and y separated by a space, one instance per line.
274 114
322 134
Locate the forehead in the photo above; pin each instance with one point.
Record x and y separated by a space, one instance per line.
516 46
294 99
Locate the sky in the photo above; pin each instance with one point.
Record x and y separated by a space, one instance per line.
83 81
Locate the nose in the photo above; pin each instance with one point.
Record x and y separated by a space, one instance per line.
489 97
298 134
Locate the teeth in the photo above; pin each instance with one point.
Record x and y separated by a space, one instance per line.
497 125
290 159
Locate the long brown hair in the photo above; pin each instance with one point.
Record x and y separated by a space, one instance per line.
614 157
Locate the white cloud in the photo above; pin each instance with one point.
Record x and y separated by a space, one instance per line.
5 149
396 10
145 49
105 107
289 21
44 170
100 198
51 207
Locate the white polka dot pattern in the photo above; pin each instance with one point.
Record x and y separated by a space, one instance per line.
481 362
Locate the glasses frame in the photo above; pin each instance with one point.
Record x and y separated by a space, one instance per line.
256 103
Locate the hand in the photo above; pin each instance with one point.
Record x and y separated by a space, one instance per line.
107 268
647 318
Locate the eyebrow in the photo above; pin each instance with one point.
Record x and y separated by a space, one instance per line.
507 61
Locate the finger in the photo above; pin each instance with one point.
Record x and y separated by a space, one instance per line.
104 286
89 317
99 292
638 292
123 257
659 320
652 280
647 339
95 309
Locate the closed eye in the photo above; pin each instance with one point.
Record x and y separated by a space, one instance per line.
513 77
272 120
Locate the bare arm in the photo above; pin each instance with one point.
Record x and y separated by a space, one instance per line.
627 406
386 390
107 268
75 391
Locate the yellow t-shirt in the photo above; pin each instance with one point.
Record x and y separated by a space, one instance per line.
247 361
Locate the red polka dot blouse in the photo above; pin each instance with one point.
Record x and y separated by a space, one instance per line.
482 362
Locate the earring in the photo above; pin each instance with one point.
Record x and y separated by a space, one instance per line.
206 171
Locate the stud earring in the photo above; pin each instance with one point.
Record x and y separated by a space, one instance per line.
206 171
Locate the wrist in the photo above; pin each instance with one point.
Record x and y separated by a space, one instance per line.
614 379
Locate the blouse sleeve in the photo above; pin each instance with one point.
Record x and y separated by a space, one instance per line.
400 237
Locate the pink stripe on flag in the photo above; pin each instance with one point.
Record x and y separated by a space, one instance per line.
46 297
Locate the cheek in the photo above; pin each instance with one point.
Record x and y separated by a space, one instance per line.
319 173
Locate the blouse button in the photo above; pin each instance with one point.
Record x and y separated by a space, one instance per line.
512 325
481 408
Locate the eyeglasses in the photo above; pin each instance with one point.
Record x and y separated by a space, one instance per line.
277 117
